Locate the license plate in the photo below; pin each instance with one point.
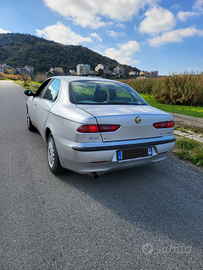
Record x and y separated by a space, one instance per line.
134 153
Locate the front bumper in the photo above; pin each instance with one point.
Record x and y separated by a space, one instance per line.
79 157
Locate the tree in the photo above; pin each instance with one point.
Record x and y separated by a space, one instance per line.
40 69
100 72
25 75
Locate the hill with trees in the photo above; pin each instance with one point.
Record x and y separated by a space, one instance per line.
18 50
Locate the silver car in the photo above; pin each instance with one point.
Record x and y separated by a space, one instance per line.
92 125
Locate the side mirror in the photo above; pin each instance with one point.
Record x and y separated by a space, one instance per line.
29 93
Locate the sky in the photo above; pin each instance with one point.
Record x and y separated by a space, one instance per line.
151 35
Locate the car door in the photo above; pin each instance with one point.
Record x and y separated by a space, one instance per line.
33 101
45 102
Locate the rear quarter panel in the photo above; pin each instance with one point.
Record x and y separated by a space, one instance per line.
64 121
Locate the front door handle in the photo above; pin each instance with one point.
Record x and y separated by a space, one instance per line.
35 104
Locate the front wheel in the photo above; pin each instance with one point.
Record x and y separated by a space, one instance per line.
52 155
30 126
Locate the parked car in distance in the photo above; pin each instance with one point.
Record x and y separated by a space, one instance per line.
93 125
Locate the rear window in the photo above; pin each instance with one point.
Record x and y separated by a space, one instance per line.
99 92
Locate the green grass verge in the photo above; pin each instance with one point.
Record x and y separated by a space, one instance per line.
185 110
33 86
35 83
190 150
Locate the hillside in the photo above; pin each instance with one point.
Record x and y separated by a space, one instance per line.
18 50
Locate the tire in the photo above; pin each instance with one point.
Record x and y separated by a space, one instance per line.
52 156
29 123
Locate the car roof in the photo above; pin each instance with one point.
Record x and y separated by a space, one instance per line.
81 78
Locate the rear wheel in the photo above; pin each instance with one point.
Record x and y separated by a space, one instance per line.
29 123
52 155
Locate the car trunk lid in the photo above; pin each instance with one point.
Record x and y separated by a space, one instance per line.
126 116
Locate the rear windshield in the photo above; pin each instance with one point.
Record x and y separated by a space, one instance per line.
99 92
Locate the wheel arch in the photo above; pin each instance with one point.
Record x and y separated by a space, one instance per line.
47 132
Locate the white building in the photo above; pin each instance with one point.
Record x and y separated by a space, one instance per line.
119 70
57 71
29 69
153 73
3 67
72 72
105 68
83 69
133 73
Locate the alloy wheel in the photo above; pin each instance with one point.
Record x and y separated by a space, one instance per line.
51 153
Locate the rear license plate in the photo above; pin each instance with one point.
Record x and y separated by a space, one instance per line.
134 153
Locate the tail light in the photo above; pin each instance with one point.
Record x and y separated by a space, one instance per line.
168 124
97 128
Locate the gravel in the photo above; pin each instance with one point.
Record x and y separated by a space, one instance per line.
188 121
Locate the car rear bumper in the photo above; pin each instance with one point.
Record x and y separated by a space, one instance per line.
87 158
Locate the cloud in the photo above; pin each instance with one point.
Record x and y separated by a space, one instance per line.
136 61
120 25
88 13
2 31
198 5
182 16
94 23
125 50
62 34
157 19
95 35
130 47
174 36
176 6
112 33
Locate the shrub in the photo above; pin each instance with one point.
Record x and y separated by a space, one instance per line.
141 85
40 78
179 90
25 84
25 75
9 76
2 76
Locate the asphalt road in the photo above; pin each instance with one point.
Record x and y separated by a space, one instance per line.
143 218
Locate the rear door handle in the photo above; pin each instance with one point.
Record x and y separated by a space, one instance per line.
35 104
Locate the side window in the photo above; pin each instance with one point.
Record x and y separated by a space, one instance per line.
52 90
42 88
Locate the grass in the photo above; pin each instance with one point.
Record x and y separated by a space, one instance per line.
187 144
36 83
186 130
185 110
190 150
33 86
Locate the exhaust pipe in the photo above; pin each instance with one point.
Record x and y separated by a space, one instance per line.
95 175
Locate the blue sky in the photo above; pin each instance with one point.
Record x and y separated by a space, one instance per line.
148 34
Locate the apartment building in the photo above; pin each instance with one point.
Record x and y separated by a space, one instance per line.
3 68
119 70
133 73
105 68
83 69
57 71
